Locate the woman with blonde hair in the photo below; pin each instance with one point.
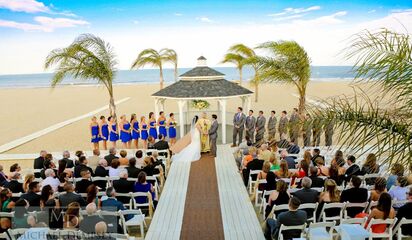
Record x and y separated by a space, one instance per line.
307 157
27 180
278 197
330 194
274 162
283 171
370 167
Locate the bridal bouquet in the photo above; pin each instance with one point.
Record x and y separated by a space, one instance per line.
200 104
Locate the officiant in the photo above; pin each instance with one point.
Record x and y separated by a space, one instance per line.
205 125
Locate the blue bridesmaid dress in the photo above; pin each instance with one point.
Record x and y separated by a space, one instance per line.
172 130
162 129
95 134
105 132
135 134
152 130
113 136
144 132
125 136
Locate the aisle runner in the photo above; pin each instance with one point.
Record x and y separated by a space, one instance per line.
202 218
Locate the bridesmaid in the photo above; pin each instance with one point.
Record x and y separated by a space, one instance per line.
95 133
135 130
113 132
125 129
152 125
104 131
171 124
162 124
143 133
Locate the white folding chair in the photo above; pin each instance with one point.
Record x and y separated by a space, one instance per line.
276 208
129 195
138 219
368 176
257 191
328 206
147 205
106 179
349 205
251 183
286 228
312 207
13 234
371 205
388 231
398 229
321 231
264 202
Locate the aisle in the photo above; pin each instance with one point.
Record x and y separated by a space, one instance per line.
202 217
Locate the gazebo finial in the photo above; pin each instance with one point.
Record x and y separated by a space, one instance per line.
201 62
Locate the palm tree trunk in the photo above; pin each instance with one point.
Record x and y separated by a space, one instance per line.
240 76
175 72
161 76
256 91
112 106
302 103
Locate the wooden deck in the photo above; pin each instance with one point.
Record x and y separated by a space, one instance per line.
239 218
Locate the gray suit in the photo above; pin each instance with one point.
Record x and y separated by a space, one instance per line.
238 127
329 133
213 137
272 127
250 124
294 127
283 124
260 129
307 132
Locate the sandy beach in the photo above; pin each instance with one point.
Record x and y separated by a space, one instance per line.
26 110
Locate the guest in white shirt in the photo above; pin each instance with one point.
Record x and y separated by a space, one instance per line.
50 179
114 169
93 161
139 159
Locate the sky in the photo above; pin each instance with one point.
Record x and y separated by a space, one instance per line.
30 29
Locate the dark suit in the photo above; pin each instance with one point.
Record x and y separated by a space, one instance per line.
38 163
307 195
14 186
250 124
88 223
161 145
351 171
69 197
109 158
317 182
272 127
3 179
238 127
255 164
291 162
213 136
79 168
260 130
289 218
101 172
82 185
69 163
123 186
354 195
32 198
283 124
405 212
133 172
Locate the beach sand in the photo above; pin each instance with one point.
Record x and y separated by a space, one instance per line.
27 110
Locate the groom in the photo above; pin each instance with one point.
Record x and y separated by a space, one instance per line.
213 135
204 124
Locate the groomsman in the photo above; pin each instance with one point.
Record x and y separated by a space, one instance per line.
283 123
329 133
316 131
238 126
307 130
260 128
272 125
250 124
213 135
294 125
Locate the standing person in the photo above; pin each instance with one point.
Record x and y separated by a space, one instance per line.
95 133
213 134
307 130
294 125
113 133
260 128
238 125
316 132
162 124
152 125
143 133
329 133
135 130
283 123
125 135
171 124
104 131
250 124
204 125
272 125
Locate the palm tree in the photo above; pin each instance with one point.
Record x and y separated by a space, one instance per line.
238 54
288 63
87 58
156 59
377 118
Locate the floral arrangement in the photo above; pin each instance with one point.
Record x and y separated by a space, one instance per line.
200 104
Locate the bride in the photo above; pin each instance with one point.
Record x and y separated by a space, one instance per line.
187 149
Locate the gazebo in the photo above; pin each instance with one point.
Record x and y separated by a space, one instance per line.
202 83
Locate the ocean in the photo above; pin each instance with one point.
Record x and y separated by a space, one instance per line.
144 76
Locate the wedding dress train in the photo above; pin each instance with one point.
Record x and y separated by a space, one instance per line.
191 152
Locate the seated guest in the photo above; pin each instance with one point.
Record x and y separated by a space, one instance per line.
264 153
48 164
161 144
293 148
27 180
93 161
6 203
370 167
249 156
378 189
71 219
139 159
39 162
151 142
316 154
132 170
322 169
308 158
397 170
101 231
3 176
283 143
101 171
111 156
274 161
92 197
142 185
283 171
63 179
406 212
255 164
355 194
148 166
114 169
67 160
353 168
263 174
278 197
47 197
70 197
335 173
123 186
90 220
82 185
50 179
317 182
123 160
20 214
15 168
78 154
14 185
303 170
31 196
111 202
271 180
290 160
399 191
293 217
329 195
82 166
383 210
307 195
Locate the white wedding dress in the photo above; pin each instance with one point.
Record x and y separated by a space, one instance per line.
191 152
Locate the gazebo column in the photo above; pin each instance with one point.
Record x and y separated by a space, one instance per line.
222 103
181 105
156 109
